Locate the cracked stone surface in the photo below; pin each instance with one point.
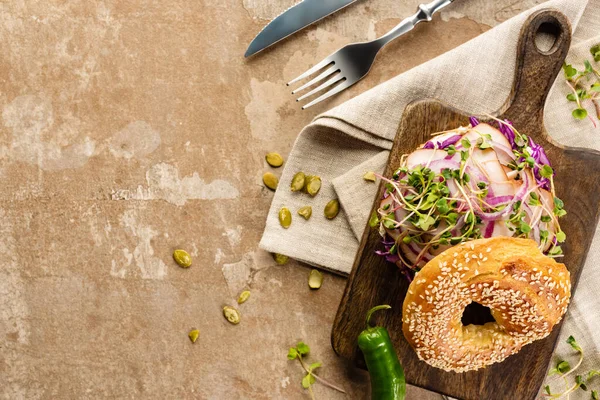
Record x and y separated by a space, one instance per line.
130 129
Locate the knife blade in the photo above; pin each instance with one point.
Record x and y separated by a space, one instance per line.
292 20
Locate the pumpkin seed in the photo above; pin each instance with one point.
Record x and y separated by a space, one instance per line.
285 217
332 209
280 258
231 314
312 185
182 258
274 159
298 182
305 212
270 180
193 335
244 296
370 176
315 279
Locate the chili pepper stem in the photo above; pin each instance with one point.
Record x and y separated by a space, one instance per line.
323 381
372 310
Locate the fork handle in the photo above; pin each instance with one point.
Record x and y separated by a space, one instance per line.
423 14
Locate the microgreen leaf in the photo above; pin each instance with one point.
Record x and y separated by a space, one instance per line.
543 235
452 217
579 113
571 97
560 236
466 143
547 389
394 249
559 213
580 382
595 51
425 222
483 144
469 217
292 354
306 381
442 206
546 218
593 373
546 171
374 220
595 87
314 366
563 366
451 150
558 203
595 393
534 199
588 67
555 251
303 348
530 161
573 343
569 70
464 155
447 173
389 222
406 239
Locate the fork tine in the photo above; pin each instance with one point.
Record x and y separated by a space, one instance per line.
330 93
314 69
330 82
322 76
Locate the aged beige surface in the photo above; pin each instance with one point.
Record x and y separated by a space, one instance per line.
131 128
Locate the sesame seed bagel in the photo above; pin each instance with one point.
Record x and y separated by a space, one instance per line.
526 291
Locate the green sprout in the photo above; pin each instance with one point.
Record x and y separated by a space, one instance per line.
302 350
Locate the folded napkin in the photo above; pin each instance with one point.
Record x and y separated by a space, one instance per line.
355 137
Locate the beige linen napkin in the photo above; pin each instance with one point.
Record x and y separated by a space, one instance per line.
355 137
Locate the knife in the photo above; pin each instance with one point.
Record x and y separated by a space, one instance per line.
292 20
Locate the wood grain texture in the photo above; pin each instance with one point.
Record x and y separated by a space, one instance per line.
373 281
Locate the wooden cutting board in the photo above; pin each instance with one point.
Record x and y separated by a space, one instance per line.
373 281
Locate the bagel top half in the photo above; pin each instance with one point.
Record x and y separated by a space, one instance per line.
526 291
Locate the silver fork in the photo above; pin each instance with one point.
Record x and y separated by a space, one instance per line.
352 62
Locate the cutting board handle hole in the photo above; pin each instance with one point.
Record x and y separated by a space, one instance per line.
547 36
476 314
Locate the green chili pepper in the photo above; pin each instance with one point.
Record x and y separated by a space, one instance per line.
387 375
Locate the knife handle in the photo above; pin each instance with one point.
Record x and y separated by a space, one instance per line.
424 14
